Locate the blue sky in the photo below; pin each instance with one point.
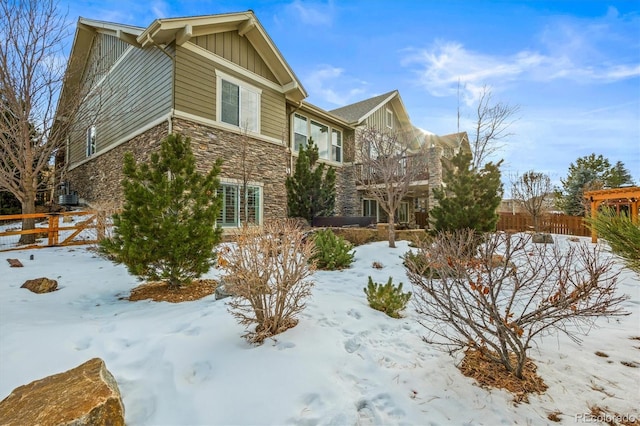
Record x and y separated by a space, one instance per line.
572 67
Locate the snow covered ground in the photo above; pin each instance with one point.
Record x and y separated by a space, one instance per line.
344 364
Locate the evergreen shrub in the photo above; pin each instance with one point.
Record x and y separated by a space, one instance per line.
332 252
387 298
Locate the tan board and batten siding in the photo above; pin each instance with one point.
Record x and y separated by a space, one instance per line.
195 81
378 119
232 47
139 91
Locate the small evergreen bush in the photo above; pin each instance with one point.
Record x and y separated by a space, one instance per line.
167 227
332 252
420 263
387 298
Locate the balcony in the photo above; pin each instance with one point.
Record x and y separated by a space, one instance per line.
413 167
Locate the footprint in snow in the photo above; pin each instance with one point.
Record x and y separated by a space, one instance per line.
354 313
83 343
379 410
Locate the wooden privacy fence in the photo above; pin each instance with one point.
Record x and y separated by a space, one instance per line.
552 223
53 229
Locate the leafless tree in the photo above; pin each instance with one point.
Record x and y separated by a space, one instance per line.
267 273
32 72
388 166
490 126
533 191
247 170
511 292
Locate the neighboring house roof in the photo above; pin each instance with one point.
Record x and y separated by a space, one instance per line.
356 113
453 140
306 106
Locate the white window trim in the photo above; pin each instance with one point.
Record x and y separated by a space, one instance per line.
238 184
388 118
243 84
339 146
91 140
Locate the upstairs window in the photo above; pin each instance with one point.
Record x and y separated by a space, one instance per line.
238 104
336 145
300 132
91 141
389 118
327 139
320 136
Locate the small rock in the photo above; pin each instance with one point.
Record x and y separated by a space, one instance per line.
221 292
15 263
85 395
541 238
40 285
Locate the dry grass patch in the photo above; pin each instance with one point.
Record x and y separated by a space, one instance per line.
490 374
555 416
160 292
601 354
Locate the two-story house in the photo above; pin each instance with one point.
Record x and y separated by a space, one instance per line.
221 81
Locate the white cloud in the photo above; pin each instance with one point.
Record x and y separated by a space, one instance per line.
586 53
312 13
332 86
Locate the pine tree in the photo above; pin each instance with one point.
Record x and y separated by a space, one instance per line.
167 228
310 191
621 233
619 176
469 197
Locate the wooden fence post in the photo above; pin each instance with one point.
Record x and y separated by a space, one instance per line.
101 224
54 221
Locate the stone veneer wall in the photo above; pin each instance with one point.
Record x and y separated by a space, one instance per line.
268 160
435 173
347 198
98 181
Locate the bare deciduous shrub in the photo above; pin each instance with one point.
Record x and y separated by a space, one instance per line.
499 307
267 273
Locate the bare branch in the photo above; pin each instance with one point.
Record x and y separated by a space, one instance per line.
533 191
509 293
386 168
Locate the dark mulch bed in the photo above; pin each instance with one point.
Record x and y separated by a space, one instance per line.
160 292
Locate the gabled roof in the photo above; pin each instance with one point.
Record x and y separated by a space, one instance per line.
165 31
356 113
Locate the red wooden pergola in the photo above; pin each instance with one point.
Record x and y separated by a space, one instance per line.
616 197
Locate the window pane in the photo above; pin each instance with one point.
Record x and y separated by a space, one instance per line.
336 145
253 198
249 110
230 103
91 140
320 136
299 132
229 213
